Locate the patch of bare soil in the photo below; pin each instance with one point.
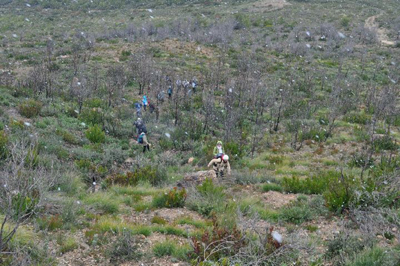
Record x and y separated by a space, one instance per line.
268 5
14 114
172 214
382 33
277 200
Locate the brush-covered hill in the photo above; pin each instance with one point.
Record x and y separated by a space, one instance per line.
304 96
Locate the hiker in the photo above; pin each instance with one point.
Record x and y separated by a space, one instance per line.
152 108
160 96
178 84
142 139
140 126
220 164
169 91
145 102
194 85
138 107
224 166
218 150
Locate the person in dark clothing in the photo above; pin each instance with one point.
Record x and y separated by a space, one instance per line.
138 107
169 91
140 126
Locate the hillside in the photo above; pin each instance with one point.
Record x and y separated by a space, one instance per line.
303 95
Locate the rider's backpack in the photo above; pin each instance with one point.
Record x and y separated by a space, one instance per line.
140 139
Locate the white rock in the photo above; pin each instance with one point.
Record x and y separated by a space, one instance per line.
277 237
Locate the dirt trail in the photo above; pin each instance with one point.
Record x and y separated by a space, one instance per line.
382 33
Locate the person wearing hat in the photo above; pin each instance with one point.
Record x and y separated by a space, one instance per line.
224 166
142 139
218 150
140 126
220 165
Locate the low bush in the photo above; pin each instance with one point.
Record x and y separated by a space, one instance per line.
126 247
93 116
340 193
166 248
218 243
68 245
206 198
375 256
275 159
3 145
385 143
296 213
173 199
50 223
357 118
314 134
95 134
158 220
30 108
69 138
272 187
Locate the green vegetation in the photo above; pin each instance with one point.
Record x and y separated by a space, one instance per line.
303 94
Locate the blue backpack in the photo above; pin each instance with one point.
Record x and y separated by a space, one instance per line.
140 138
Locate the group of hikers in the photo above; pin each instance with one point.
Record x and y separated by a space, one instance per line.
220 162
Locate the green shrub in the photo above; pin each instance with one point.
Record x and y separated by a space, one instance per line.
158 220
357 118
3 145
206 198
108 207
69 138
173 199
272 187
314 134
360 161
375 256
206 246
296 213
275 159
30 108
361 134
24 204
340 193
92 116
95 134
385 143
309 185
126 247
68 244
50 223
343 246
166 248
